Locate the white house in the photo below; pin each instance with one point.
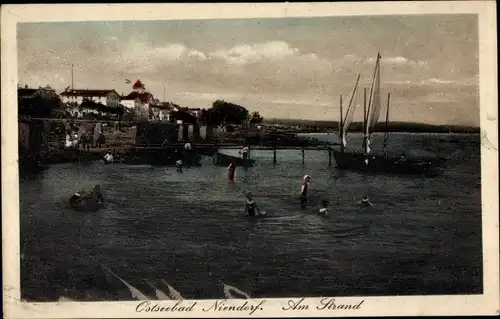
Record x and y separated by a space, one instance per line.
106 97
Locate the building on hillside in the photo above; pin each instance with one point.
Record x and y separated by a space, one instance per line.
106 97
162 111
141 102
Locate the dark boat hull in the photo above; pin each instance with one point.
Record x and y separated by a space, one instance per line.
383 163
224 160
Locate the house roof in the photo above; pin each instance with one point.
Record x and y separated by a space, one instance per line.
164 106
100 93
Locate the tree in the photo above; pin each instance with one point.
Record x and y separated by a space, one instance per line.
256 118
223 112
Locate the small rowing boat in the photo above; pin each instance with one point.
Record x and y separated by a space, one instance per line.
90 202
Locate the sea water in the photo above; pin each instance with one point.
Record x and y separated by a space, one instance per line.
422 236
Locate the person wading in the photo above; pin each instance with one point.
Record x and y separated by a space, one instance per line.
303 191
231 170
251 208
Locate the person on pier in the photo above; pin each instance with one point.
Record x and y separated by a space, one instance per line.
244 152
68 142
75 140
303 191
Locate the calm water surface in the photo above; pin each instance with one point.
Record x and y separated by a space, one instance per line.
423 236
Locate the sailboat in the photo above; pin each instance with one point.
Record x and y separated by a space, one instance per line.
366 159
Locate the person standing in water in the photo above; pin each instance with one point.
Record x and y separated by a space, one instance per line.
231 170
178 165
303 191
250 206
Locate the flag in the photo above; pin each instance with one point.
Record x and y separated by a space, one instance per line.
128 81
67 88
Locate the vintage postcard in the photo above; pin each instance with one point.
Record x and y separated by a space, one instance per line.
250 160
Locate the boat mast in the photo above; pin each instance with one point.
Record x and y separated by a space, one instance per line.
343 120
373 80
341 127
386 134
365 119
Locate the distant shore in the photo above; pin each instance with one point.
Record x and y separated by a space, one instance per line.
311 126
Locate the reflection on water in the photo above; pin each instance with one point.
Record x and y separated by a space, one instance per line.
423 236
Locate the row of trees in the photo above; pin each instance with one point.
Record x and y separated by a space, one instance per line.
223 112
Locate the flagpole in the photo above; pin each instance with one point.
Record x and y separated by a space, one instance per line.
163 92
72 65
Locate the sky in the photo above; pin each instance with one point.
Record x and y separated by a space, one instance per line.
283 68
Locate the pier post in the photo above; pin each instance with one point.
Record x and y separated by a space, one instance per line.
216 154
329 156
303 155
274 155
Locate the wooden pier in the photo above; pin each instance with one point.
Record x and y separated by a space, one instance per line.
217 147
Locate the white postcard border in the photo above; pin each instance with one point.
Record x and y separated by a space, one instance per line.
485 304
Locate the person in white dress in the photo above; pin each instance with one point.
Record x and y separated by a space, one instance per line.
68 143
108 157
75 139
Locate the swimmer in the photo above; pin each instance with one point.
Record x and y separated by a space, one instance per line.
178 165
324 208
365 201
96 193
303 191
250 206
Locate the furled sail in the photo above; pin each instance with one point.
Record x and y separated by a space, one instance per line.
375 104
347 120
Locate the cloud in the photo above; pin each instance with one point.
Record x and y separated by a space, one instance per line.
398 61
268 51
435 81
